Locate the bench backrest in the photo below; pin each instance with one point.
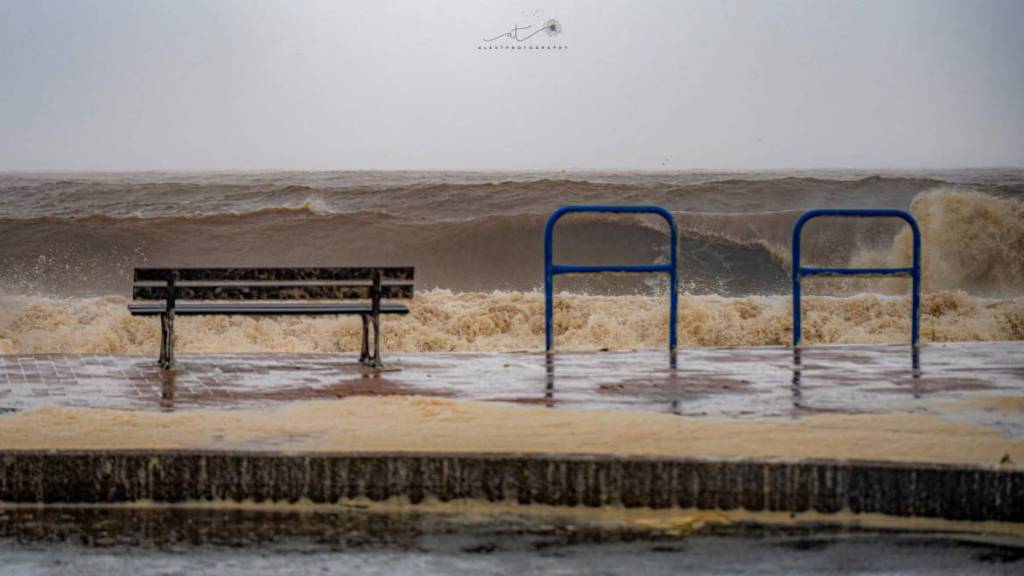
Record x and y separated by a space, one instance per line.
273 283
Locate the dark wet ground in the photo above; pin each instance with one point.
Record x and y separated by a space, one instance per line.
162 541
697 556
711 382
716 382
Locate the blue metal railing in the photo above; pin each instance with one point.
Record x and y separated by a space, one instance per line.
914 271
551 269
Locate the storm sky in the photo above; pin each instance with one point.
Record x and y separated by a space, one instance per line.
677 85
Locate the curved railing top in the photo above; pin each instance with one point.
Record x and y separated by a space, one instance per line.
551 269
646 209
856 213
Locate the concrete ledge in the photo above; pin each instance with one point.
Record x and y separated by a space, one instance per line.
896 489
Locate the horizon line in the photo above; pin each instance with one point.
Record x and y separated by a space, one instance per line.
15 171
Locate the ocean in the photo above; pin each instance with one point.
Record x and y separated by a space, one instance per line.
70 242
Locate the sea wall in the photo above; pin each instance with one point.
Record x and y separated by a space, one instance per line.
908 490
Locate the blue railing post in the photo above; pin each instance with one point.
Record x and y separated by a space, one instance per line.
549 287
551 269
914 271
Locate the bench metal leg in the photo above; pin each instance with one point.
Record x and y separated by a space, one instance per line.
364 356
166 341
376 361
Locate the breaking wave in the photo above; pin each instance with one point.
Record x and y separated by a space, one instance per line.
972 241
476 241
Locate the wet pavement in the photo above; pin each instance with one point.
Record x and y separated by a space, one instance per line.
700 555
175 541
711 382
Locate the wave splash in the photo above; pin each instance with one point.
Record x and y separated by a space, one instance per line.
443 321
971 241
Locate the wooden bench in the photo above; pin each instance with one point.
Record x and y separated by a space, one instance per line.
174 292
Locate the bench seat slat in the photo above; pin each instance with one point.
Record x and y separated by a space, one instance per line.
271 274
263 309
272 292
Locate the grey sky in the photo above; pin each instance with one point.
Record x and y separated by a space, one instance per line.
246 84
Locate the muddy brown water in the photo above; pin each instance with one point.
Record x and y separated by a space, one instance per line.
165 541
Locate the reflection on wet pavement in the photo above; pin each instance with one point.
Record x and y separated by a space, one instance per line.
54 540
707 382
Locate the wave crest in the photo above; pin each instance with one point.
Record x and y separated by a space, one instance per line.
972 241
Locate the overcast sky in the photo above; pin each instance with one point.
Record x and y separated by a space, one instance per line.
303 84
